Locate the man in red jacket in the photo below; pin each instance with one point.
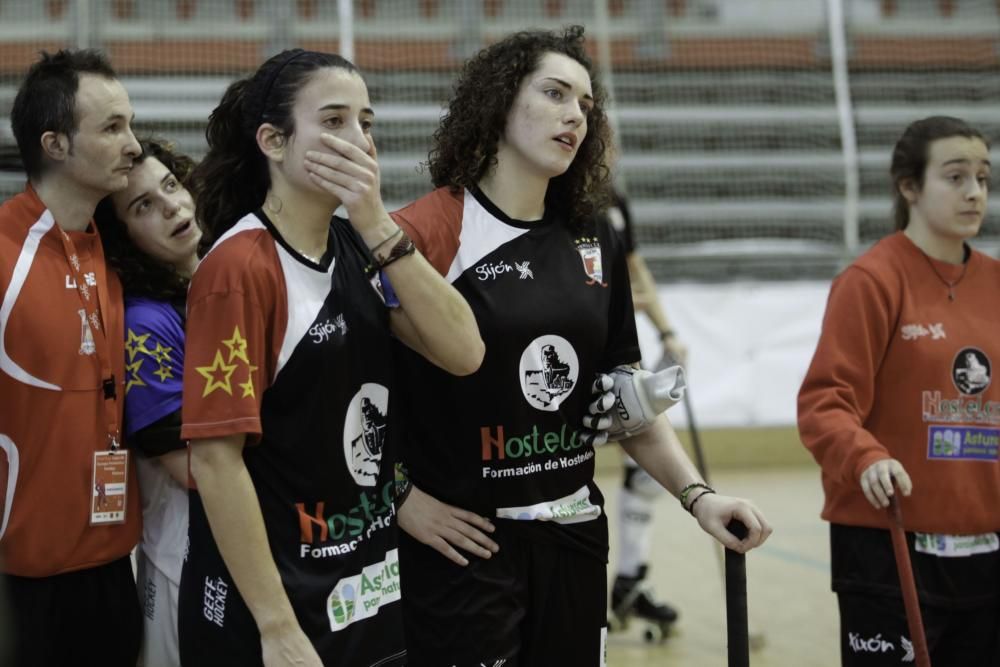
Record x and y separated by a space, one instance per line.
65 554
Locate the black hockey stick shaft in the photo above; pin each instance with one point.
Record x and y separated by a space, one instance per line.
755 639
737 628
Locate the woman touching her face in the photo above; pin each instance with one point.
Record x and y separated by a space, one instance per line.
288 376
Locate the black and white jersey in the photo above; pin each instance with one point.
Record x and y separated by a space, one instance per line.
297 356
554 308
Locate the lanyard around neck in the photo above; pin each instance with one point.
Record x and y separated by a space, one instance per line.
94 300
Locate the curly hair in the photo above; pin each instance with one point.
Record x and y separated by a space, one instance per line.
465 143
141 274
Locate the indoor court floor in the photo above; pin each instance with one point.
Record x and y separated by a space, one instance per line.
788 579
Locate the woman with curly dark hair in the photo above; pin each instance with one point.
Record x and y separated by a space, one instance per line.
519 163
152 239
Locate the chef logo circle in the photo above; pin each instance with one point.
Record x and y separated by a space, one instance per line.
548 372
971 371
365 432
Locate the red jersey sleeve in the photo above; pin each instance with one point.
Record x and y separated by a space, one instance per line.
227 361
838 392
434 224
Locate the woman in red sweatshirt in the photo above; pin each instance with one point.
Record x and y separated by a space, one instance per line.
900 391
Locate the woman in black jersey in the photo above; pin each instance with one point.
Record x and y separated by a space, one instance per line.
520 169
287 379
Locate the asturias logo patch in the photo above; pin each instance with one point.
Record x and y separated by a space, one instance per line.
360 596
548 372
971 371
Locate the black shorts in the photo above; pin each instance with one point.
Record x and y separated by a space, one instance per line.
959 601
533 604
873 632
86 617
214 625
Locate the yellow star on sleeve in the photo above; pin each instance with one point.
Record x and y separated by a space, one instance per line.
247 386
135 344
237 347
133 379
220 367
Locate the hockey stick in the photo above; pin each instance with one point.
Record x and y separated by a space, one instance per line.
906 583
756 638
737 628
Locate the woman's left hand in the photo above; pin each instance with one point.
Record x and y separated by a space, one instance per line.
714 512
352 176
444 527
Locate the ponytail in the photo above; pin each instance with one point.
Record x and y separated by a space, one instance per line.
232 180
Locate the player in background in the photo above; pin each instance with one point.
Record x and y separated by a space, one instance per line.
152 239
631 595
66 557
899 397
293 557
513 226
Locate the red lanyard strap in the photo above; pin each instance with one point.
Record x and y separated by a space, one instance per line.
93 298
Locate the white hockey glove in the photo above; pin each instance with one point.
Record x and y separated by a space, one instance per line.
597 422
637 397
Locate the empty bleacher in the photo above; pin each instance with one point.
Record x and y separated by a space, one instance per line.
730 140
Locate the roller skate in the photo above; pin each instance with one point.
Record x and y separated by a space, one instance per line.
631 598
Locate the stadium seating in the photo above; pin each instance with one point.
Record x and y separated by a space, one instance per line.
730 134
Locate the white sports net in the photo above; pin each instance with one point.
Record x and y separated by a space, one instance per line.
732 145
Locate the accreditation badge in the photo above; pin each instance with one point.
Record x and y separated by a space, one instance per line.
110 487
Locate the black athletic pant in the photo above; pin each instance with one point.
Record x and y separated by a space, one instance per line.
874 632
533 604
87 617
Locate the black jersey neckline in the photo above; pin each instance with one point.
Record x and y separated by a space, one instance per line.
495 211
331 247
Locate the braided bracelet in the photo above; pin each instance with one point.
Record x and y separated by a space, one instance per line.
403 247
686 491
696 499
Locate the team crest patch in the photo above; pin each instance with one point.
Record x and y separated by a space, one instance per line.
219 375
971 371
590 252
548 372
365 428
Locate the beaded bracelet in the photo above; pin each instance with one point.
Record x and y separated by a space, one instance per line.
686 491
696 499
